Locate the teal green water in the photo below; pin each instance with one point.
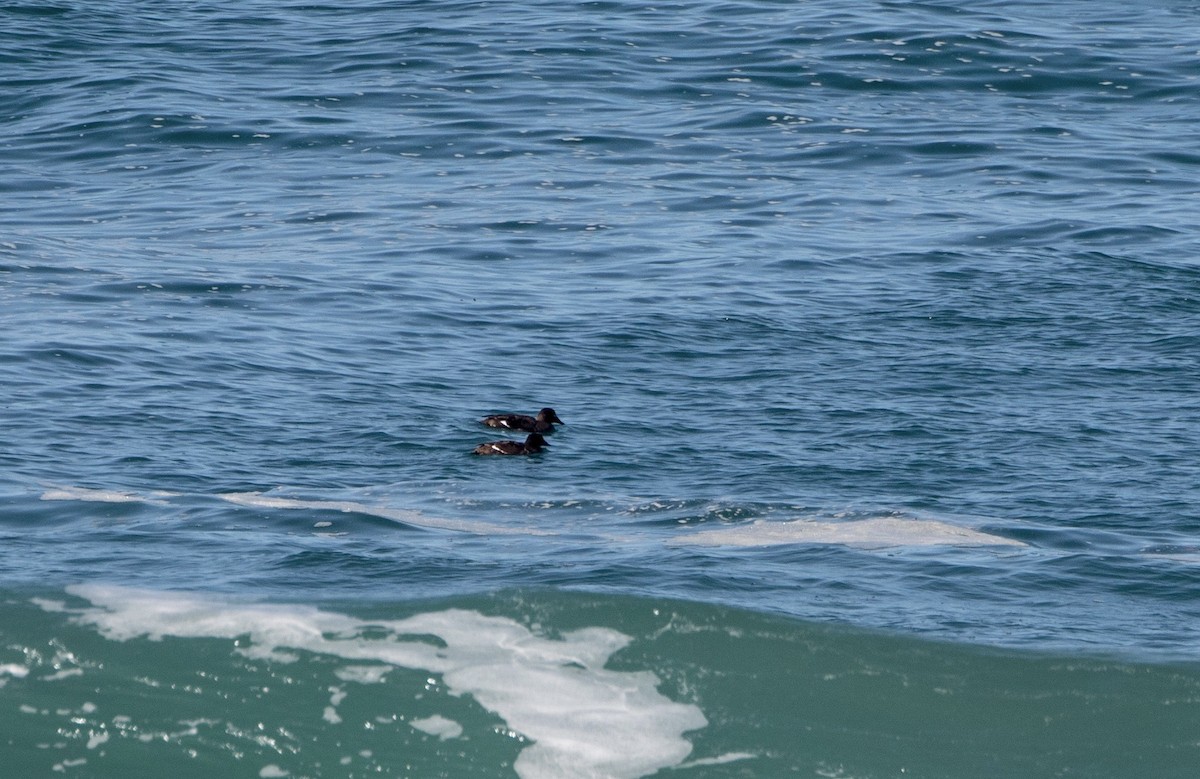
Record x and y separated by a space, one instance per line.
875 329
751 695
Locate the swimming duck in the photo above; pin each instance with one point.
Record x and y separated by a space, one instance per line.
538 424
533 444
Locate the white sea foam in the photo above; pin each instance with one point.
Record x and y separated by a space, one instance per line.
881 532
363 674
13 670
405 516
583 720
728 757
439 726
103 496
337 695
1183 555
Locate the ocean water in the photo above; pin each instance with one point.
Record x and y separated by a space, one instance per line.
875 329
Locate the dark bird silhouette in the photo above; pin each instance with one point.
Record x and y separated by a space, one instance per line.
533 444
539 424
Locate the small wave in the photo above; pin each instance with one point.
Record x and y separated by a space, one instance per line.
402 516
407 517
1183 554
105 496
581 718
882 532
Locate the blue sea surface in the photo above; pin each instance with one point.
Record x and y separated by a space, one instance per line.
874 328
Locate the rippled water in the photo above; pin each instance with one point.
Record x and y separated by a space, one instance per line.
874 316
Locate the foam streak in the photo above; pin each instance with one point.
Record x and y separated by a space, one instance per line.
583 719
